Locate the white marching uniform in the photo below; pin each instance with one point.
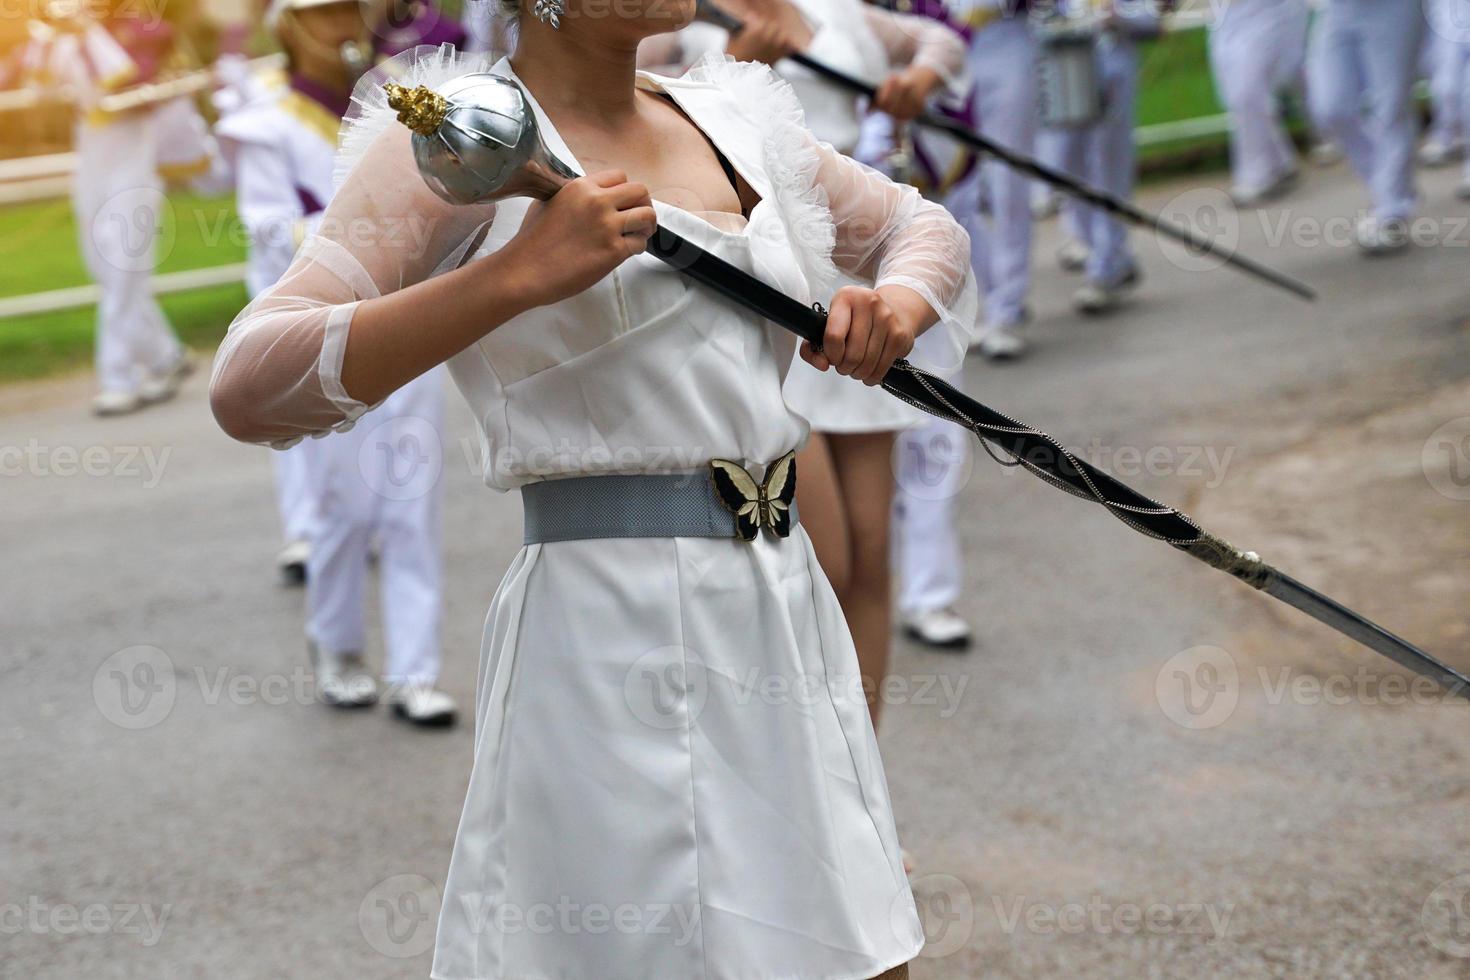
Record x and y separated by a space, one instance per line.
280 146
1003 71
719 834
1258 50
1367 51
378 482
1102 154
1448 44
865 42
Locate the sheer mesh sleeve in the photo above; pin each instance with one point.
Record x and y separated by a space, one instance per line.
278 374
891 234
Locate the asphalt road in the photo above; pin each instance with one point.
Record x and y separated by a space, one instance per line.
1075 807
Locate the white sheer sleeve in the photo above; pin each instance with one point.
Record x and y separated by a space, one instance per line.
921 42
278 374
889 233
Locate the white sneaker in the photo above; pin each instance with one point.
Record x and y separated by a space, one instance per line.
1254 197
943 628
1002 342
1095 298
1073 256
343 680
1045 204
291 560
1436 154
1325 153
422 705
116 402
164 385
1382 237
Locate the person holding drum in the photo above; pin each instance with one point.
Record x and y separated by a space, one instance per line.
1092 114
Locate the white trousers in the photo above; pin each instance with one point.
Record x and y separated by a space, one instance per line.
1257 50
298 488
1103 156
1003 66
1448 46
1361 66
382 480
933 462
118 200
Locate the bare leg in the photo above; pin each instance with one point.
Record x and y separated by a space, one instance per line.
845 497
822 511
897 973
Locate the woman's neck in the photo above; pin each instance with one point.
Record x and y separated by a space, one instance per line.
573 72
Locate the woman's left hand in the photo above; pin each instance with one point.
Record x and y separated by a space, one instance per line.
904 93
869 329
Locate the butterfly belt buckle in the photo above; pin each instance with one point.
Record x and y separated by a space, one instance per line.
756 504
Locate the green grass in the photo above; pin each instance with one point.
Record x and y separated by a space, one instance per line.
38 242
39 252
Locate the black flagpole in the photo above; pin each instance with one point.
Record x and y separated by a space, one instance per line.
1043 456
712 14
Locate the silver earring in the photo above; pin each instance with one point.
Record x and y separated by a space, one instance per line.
549 12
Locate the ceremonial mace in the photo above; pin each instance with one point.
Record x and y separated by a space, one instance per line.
711 13
476 140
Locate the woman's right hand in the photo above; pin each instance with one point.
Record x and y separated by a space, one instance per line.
584 232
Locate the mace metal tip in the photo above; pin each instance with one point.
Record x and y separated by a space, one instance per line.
421 109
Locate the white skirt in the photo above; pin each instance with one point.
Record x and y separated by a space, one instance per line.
832 402
675 775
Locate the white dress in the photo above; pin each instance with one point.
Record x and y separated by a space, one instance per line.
675 775
863 41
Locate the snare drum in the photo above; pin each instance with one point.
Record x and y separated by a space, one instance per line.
1069 91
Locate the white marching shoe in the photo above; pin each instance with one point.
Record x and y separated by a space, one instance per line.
165 384
343 680
1436 154
291 560
1095 298
1253 197
1002 342
1073 256
1377 237
106 403
943 628
422 704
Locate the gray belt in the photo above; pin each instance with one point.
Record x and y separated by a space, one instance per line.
641 505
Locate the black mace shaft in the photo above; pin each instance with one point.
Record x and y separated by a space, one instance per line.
1115 206
1044 457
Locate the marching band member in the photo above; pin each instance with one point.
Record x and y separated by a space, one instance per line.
338 495
847 466
1002 69
117 193
1102 155
619 751
1447 51
1367 52
1257 50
